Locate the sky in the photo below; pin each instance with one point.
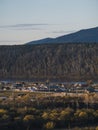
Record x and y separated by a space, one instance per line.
22 21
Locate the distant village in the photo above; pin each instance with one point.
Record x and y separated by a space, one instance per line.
67 87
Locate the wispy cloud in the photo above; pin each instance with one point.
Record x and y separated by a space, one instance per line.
62 31
24 26
27 28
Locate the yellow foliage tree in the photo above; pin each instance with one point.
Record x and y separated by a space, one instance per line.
49 125
28 118
2 112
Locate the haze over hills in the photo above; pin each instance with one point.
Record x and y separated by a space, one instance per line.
86 35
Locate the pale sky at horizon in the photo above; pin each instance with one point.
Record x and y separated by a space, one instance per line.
22 21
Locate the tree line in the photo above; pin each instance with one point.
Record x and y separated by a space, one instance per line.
68 61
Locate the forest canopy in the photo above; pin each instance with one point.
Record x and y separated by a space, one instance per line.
69 61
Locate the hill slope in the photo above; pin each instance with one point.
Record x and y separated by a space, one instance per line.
86 35
49 61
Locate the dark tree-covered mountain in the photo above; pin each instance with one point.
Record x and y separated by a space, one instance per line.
50 61
86 35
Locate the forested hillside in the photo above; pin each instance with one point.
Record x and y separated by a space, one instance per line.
68 61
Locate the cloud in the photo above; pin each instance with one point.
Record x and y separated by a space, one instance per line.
62 31
27 28
24 26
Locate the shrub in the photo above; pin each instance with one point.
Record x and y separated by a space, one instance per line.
49 125
5 117
45 115
28 118
2 112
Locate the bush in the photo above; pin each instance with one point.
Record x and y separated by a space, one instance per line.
83 115
2 112
49 125
96 128
28 118
5 117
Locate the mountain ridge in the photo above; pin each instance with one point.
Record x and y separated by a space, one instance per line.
85 35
